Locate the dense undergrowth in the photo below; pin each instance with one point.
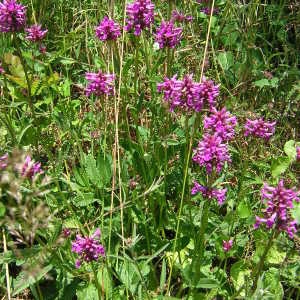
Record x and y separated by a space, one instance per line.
151 150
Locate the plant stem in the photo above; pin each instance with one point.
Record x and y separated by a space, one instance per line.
99 289
30 98
6 267
262 259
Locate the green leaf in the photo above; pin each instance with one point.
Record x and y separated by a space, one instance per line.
84 199
25 279
290 149
262 83
226 60
71 223
92 171
206 283
106 281
279 166
240 275
243 210
2 209
275 256
87 293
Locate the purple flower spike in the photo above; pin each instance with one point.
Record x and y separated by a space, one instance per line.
35 33
180 17
209 193
99 84
259 128
88 248
211 153
140 15
207 11
12 16
1 69
209 92
227 245
167 35
31 168
221 122
279 201
108 30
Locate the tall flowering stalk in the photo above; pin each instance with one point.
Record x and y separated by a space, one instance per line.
277 217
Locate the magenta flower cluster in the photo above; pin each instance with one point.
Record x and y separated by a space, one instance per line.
167 35
30 168
88 248
220 122
3 161
279 202
1 69
35 33
108 30
180 17
99 84
188 94
211 153
140 15
12 16
259 128
209 193
227 245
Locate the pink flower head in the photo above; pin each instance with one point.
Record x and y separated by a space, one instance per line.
259 128
167 35
298 153
279 202
140 15
35 33
207 10
180 17
99 84
88 248
209 193
227 245
3 161
30 168
12 16
221 122
211 153
108 30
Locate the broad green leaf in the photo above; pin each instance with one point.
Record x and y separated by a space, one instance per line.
92 171
243 210
262 83
240 275
87 293
275 256
279 166
226 60
2 209
106 281
84 199
290 149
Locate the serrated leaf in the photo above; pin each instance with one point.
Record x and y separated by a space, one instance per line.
71 223
84 199
279 166
243 210
290 149
87 293
92 171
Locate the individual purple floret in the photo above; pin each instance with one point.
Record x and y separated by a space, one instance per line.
30 168
211 153
99 84
227 245
108 30
180 17
279 202
209 92
88 248
298 153
259 128
167 35
12 16
35 33
140 15
218 194
3 161
221 122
